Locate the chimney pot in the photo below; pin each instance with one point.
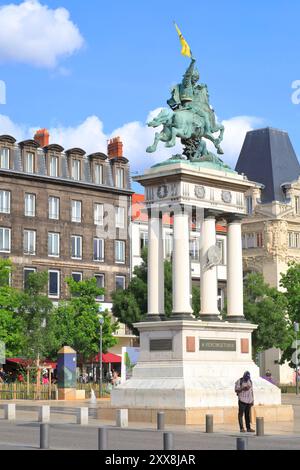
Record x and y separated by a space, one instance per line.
42 136
115 148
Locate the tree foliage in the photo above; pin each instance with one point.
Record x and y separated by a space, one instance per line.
76 321
266 307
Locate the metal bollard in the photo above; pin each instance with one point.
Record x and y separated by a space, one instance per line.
168 441
160 420
260 431
102 439
241 443
209 423
44 436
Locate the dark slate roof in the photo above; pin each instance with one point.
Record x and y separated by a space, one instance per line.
268 157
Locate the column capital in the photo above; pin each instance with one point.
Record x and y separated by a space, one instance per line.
234 218
213 213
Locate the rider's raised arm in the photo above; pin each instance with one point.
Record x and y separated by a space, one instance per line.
189 73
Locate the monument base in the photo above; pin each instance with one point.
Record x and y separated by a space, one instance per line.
189 368
196 416
67 394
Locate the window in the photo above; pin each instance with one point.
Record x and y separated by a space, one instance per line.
220 244
76 169
98 214
5 236
294 240
220 299
54 284
76 246
77 277
5 202
29 162
143 241
100 284
98 173
119 251
4 158
297 204
120 177
53 167
29 242
168 245
249 205
194 249
76 211
120 282
30 205
98 249
120 217
252 240
53 244
26 274
53 208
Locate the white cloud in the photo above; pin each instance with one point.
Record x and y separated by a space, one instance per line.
34 34
136 136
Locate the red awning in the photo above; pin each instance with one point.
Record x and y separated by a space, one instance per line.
26 362
108 358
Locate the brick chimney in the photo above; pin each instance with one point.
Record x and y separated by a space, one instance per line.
115 147
42 136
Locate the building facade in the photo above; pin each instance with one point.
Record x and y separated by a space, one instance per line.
271 231
66 213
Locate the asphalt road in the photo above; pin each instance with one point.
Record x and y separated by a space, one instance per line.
25 436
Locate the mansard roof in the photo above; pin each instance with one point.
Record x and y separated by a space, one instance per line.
268 157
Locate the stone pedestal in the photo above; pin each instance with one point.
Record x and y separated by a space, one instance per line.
191 364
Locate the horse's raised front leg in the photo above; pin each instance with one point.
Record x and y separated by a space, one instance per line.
152 148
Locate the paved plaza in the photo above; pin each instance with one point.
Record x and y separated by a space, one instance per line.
65 434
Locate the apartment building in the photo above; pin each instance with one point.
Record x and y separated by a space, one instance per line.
65 212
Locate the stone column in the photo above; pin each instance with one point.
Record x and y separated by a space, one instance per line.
155 266
235 307
181 265
208 280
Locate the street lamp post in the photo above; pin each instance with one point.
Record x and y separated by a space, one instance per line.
296 328
101 321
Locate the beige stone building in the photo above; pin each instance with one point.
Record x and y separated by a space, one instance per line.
271 232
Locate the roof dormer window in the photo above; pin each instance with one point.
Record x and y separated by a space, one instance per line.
29 162
4 158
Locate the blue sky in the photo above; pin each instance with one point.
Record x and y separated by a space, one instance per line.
124 56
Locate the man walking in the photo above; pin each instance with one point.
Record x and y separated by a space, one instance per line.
244 391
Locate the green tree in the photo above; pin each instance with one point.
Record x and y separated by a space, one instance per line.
11 324
130 305
266 307
35 309
75 322
290 281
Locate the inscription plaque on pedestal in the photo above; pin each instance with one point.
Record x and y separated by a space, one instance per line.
161 344
217 345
